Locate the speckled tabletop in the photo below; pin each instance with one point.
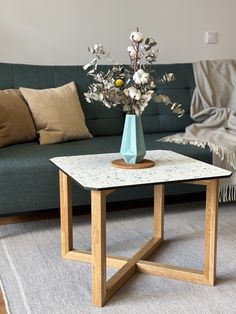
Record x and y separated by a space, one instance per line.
95 172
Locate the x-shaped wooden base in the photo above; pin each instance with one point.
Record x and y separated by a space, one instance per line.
103 290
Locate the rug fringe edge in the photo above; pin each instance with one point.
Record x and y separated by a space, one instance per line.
227 193
223 153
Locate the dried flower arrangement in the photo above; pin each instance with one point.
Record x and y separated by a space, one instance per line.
132 86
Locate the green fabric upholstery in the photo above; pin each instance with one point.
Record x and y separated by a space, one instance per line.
159 118
156 117
30 182
38 77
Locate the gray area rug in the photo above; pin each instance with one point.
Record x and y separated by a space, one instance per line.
37 281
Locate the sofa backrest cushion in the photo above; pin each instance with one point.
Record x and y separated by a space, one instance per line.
100 120
159 118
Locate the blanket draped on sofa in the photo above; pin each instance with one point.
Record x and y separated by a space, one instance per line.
213 109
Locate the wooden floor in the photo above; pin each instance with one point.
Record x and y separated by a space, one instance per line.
2 305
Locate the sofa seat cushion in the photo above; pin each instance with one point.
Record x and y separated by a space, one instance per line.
34 154
29 163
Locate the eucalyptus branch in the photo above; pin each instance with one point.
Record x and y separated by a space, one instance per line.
175 107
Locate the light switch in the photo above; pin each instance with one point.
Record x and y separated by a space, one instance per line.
211 38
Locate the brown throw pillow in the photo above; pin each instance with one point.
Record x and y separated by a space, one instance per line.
16 123
57 113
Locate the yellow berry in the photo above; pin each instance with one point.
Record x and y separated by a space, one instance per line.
119 82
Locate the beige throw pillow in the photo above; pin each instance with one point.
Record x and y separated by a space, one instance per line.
57 113
16 123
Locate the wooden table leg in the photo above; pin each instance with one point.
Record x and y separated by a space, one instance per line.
102 291
66 213
159 195
211 231
98 204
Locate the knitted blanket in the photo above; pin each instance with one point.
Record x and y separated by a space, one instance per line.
213 108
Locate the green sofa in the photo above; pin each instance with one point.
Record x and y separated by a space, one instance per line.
29 181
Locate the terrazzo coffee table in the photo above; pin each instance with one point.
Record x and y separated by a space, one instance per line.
95 173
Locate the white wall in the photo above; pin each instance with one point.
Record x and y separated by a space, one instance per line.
59 31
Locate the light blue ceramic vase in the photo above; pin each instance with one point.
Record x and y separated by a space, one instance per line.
133 146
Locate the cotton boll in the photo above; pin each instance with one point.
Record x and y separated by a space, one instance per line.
141 77
145 78
138 37
134 93
132 52
137 78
